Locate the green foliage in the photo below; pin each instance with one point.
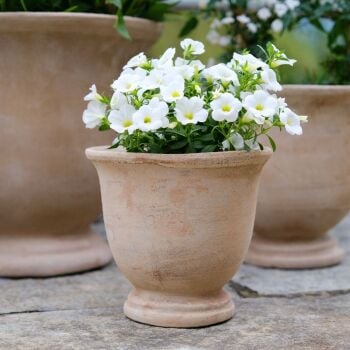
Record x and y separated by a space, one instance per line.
332 17
151 9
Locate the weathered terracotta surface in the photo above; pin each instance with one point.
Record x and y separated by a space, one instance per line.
49 191
179 227
305 189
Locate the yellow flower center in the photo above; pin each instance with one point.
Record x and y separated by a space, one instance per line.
189 115
259 107
147 120
226 108
127 123
175 94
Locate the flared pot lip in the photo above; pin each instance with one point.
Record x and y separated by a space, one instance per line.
317 89
84 23
188 160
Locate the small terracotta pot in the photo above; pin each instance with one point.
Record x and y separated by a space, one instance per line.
49 191
305 189
179 227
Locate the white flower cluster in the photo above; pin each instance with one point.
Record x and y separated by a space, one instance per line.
257 13
151 95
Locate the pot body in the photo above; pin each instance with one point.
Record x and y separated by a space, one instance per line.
179 227
49 191
305 189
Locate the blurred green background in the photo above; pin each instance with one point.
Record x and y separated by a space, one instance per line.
305 44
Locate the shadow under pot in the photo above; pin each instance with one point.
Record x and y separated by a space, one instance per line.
49 191
305 189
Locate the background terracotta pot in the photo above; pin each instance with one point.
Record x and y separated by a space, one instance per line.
49 191
305 189
179 227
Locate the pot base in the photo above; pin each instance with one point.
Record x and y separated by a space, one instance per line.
52 255
163 310
318 253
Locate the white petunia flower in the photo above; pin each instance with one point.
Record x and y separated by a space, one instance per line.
280 9
269 79
122 120
192 47
136 61
292 4
118 100
264 13
183 68
277 26
259 105
213 37
196 64
227 20
226 107
253 145
225 40
94 113
129 80
165 61
244 19
247 62
152 116
291 122
93 95
190 110
252 27
173 88
281 103
236 140
154 80
221 72
216 24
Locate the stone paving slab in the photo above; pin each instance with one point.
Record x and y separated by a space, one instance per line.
95 289
261 323
274 310
251 280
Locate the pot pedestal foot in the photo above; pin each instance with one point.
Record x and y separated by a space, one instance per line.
26 255
163 310
318 253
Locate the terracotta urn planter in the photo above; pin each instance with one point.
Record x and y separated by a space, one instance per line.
179 227
305 189
49 191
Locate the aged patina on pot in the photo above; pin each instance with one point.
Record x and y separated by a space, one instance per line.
305 189
49 191
179 227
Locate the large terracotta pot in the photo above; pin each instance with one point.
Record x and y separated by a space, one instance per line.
305 189
179 227
49 191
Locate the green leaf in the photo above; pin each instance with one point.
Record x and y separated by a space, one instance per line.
209 148
206 137
178 145
103 127
190 25
121 27
272 143
115 145
116 3
24 5
197 144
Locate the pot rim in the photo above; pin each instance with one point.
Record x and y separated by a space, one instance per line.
316 88
187 160
79 22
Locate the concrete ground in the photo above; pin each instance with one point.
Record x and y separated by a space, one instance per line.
274 310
